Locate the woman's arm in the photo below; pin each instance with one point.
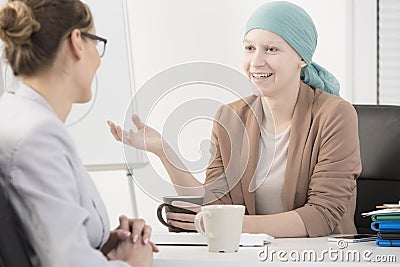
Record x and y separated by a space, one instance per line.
148 139
332 186
287 224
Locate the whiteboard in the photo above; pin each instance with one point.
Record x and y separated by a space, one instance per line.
112 90
115 88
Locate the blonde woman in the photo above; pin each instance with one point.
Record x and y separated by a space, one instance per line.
53 47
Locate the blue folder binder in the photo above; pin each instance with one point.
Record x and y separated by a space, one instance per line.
387 243
385 226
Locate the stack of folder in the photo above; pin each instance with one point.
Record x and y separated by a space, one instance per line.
386 222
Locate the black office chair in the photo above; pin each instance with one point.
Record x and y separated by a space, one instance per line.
379 182
15 249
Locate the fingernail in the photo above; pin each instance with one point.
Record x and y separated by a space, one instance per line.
145 241
126 233
135 238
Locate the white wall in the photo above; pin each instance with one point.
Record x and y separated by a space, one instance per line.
166 33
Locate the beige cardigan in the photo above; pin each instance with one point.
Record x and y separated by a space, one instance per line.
322 165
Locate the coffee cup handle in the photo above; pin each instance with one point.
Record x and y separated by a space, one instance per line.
197 223
159 214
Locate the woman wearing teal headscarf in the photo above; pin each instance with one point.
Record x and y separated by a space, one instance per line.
294 162
296 27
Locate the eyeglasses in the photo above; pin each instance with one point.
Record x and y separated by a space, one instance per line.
100 42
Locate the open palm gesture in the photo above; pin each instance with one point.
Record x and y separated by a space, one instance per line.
144 138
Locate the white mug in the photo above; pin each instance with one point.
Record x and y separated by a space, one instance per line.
223 226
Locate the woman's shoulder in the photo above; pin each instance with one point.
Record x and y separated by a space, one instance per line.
326 104
24 122
24 116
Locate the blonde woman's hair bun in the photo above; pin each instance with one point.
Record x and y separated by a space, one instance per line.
33 30
17 23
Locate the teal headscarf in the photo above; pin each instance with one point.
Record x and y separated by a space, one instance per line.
296 27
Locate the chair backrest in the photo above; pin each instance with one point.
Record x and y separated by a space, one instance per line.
379 182
15 249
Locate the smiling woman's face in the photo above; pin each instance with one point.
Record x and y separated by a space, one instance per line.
270 62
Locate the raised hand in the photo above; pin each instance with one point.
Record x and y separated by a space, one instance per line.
148 139
144 138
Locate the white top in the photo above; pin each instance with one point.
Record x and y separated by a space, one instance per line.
271 170
49 187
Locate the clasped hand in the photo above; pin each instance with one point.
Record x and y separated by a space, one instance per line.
130 242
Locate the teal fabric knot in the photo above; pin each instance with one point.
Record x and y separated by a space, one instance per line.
296 27
316 76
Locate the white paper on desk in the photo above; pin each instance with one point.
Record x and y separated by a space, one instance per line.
246 240
380 212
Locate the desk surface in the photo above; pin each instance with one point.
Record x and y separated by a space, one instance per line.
287 251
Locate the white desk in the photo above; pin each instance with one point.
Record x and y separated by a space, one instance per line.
289 248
